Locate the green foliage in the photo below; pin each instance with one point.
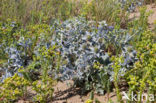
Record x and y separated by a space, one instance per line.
8 35
39 61
142 77
38 11
142 21
44 11
155 27
89 101
8 31
35 46
43 89
100 9
13 88
117 67
16 87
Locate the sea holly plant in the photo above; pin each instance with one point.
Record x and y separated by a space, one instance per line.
85 51
23 51
130 5
83 45
17 57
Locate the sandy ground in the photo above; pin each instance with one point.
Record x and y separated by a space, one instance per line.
64 93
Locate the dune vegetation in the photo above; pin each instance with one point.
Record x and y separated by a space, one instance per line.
96 44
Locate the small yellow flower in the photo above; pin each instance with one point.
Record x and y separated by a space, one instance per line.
39 86
18 83
16 91
89 101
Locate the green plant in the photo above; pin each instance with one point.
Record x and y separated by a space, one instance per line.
100 10
14 88
155 27
142 21
38 11
75 48
50 62
43 89
141 78
89 101
30 53
117 67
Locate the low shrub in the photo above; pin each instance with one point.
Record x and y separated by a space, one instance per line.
14 88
